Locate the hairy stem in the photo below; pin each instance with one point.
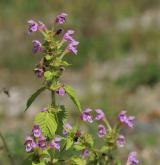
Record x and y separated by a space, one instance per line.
7 149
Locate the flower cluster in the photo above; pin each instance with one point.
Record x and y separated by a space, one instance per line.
38 141
128 120
34 26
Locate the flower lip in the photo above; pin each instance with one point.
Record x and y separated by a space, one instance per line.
86 116
36 131
37 46
100 114
132 158
101 130
61 18
33 26
121 141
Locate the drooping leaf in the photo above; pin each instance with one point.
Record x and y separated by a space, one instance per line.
33 97
47 123
72 94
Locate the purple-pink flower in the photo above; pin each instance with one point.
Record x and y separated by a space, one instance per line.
36 131
122 116
99 114
68 36
132 158
41 26
72 47
29 144
121 141
55 143
33 26
86 115
86 152
128 120
37 46
60 91
39 72
67 128
61 18
101 130
42 143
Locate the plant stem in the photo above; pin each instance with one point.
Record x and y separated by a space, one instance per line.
7 149
107 123
53 98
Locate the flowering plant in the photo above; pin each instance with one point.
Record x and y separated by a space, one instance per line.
54 140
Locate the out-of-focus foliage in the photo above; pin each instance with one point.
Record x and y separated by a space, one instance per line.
107 29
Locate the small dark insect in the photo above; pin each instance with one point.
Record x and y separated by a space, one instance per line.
5 91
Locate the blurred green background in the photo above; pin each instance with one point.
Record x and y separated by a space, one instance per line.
117 67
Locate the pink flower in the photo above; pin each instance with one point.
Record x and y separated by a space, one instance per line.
128 120
132 158
72 47
67 128
39 72
55 143
36 131
33 26
41 26
101 131
29 144
86 116
60 91
42 143
61 18
121 141
68 35
37 46
100 114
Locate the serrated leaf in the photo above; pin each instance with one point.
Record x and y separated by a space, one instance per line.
72 94
33 97
78 161
69 143
47 123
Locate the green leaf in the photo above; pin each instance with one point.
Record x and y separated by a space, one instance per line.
47 123
78 161
72 94
40 163
48 75
69 142
79 147
33 97
48 57
88 139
